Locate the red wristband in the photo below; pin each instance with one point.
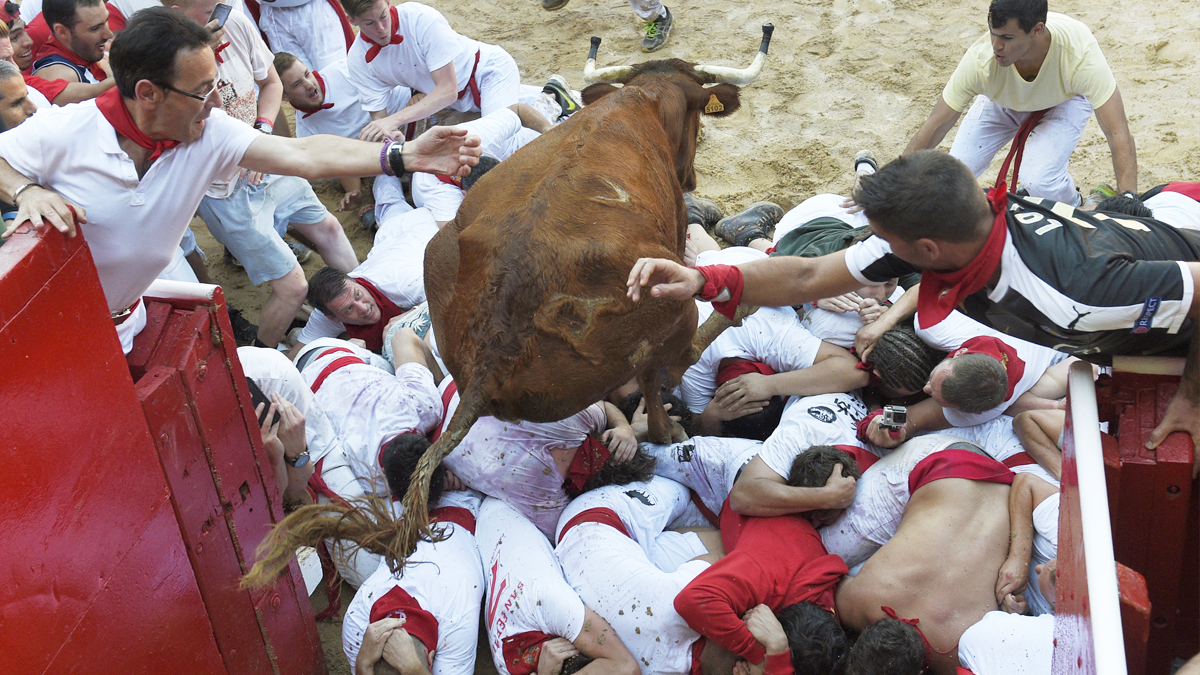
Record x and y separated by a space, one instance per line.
723 287
264 120
778 664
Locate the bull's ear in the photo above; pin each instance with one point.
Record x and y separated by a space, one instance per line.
721 100
595 92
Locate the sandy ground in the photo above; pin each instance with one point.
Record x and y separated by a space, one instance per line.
842 76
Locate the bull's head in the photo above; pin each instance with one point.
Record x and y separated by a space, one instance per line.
680 89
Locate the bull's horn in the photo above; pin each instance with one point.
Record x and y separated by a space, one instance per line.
715 74
592 74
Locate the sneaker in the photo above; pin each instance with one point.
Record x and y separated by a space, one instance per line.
244 332
656 32
1099 193
756 222
864 163
702 210
303 253
558 88
551 5
230 260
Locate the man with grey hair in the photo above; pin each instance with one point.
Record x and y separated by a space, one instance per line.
15 106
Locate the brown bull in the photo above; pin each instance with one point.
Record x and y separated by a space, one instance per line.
526 286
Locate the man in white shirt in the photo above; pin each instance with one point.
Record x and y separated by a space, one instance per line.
413 45
533 617
438 594
141 185
388 283
315 31
1032 60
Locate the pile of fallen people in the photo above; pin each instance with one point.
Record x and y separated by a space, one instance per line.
864 474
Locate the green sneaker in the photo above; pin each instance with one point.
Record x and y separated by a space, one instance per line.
561 91
656 32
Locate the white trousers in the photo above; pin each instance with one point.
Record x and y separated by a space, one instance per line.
987 127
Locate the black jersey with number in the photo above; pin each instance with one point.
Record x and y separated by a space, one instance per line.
1089 284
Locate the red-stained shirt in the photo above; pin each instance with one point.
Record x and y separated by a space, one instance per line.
776 562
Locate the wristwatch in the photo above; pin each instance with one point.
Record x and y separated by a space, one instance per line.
300 461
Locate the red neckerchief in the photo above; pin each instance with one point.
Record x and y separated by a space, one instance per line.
418 621
591 455
374 49
928 647
218 50
941 292
1014 367
448 180
522 651
741 367
1187 189
472 84
372 335
323 106
347 30
112 106
53 46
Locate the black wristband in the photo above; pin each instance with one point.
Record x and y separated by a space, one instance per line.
395 158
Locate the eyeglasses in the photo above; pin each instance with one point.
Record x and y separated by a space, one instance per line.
202 98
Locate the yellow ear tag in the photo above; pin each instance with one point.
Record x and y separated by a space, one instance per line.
714 106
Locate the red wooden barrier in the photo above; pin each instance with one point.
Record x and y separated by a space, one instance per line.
124 539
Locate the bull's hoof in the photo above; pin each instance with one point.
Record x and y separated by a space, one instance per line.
756 222
551 5
702 210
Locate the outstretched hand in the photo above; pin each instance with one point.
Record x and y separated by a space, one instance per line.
666 278
450 151
39 205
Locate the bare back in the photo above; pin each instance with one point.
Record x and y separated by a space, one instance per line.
940 567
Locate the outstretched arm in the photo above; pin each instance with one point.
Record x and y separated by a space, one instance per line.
599 641
782 281
444 150
935 128
1115 125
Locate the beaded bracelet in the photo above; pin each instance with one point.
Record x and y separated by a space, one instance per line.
383 164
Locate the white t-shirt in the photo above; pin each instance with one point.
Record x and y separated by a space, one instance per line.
950 333
446 579
772 335
128 8
245 61
273 372
134 226
733 255
825 419
395 265
1008 644
500 134
367 407
526 590
512 460
1172 208
346 118
429 43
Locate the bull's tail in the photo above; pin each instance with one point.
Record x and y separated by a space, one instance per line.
415 526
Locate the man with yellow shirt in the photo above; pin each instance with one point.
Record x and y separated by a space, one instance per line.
1032 60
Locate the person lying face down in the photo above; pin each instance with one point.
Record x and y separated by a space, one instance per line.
935 577
780 565
534 620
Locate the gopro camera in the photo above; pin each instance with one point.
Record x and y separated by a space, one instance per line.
894 417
